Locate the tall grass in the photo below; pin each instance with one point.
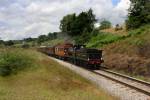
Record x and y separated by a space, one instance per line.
103 39
14 60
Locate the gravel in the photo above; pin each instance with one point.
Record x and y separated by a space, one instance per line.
125 80
113 88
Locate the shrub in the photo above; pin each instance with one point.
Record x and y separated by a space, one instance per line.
12 61
105 25
118 27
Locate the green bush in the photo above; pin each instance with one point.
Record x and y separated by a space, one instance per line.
12 61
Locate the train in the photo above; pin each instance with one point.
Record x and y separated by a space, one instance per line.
75 54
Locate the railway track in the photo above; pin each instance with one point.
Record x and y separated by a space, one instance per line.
114 83
138 85
133 83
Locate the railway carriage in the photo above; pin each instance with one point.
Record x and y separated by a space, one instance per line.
42 49
61 51
50 51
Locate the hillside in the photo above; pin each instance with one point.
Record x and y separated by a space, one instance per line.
128 53
44 80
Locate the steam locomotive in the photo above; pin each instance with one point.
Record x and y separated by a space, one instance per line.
76 54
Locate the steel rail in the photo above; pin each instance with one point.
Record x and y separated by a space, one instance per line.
124 83
127 77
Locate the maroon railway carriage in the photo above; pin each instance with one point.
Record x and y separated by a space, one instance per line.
47 50
61 51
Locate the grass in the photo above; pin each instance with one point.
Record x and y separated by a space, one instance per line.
48 81
103 39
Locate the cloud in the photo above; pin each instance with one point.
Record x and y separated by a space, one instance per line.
120 12
30 18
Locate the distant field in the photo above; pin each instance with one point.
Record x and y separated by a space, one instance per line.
48 80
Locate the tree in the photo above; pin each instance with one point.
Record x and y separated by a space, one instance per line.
76 25
42 38
80 24
52 36
105 24
9 43
139 14
66 22
28 39
1 42
91 19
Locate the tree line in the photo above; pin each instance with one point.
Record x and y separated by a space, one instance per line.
38 40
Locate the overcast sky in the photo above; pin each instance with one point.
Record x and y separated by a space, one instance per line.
30 18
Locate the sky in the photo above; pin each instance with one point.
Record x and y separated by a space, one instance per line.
115 2
30 18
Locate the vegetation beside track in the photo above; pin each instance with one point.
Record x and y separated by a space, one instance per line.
130 55
47 80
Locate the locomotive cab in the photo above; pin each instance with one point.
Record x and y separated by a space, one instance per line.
94 57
